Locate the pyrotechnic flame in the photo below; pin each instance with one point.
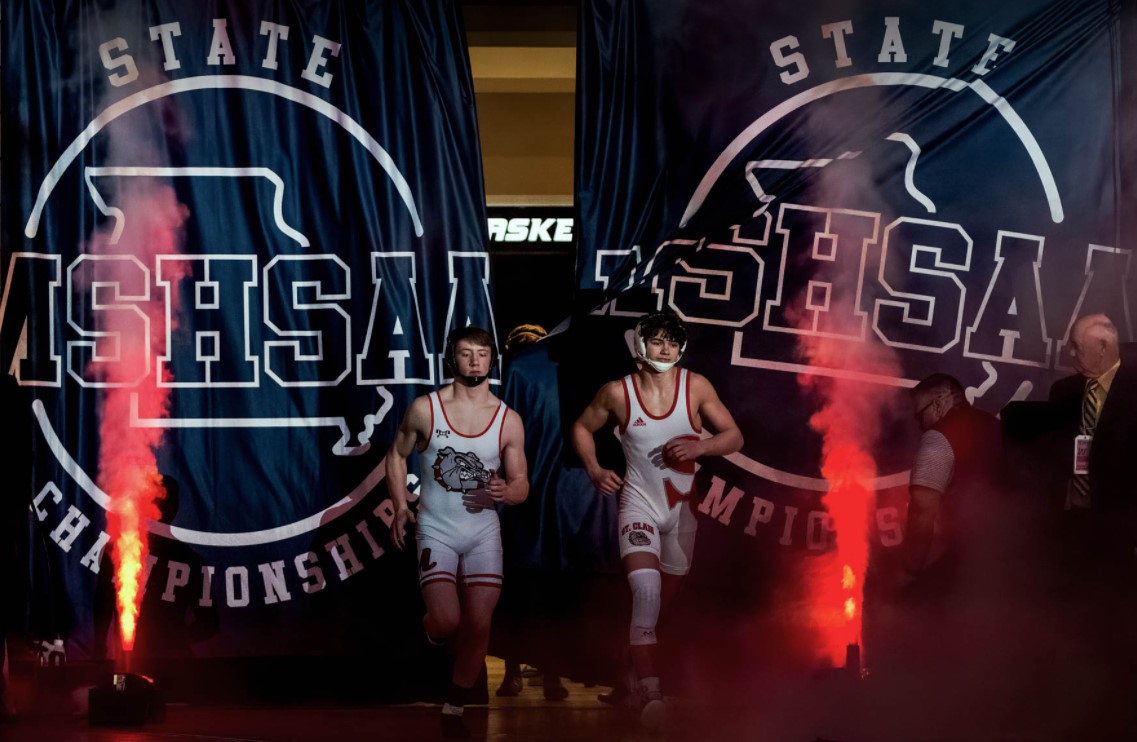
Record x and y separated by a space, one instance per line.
828 313
849 582
128 467
847 421
137 490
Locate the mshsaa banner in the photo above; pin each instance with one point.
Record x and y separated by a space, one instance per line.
238 232
842 199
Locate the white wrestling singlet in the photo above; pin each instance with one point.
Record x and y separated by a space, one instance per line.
456 516
655 502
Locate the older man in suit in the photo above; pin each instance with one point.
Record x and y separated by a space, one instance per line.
1096 412
1086 577
1080 441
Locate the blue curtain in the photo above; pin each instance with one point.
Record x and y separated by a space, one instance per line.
940 185
284 202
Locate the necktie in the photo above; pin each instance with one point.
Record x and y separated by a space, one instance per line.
1091 407
1078 491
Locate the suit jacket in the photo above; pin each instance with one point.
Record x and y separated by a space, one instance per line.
1113 455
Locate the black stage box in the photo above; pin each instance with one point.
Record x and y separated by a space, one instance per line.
125 699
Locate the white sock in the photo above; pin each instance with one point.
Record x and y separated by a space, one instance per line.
452 710
649 685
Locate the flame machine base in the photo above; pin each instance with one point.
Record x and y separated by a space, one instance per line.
125 699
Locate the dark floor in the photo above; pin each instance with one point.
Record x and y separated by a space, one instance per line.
970 707
524 721
55 714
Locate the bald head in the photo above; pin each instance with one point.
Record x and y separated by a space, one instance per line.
1093 345
934 397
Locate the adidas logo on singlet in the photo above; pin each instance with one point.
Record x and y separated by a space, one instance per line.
639 422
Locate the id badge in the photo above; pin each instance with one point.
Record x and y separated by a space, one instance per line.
1082 453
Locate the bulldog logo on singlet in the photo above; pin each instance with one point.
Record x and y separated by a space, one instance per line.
638 533
463 472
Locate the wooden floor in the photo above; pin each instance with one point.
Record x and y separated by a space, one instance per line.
781 709
524 719
528 716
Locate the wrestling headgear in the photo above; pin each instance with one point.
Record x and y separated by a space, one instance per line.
477 336
523 335
670 326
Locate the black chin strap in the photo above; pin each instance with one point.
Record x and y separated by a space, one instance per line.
470 380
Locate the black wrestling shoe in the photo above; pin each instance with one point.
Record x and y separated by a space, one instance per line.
510 686
553 689
618 696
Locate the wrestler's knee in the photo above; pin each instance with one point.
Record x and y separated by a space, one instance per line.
646 587
441 622
478 622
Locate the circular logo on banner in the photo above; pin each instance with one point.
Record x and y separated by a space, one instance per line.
267 358
872 257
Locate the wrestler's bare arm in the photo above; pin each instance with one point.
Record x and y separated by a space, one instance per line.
414 429
714 416
604 408
515 487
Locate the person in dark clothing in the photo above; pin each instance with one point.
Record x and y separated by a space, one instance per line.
958 450
928 600
1074 451
524 591
14 498
36 609
1098 405
1078 444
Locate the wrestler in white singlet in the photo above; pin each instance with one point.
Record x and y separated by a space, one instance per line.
655 502
457 523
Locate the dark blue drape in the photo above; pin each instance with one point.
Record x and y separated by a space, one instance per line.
316 168
939 185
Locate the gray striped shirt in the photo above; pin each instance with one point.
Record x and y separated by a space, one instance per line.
935 462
